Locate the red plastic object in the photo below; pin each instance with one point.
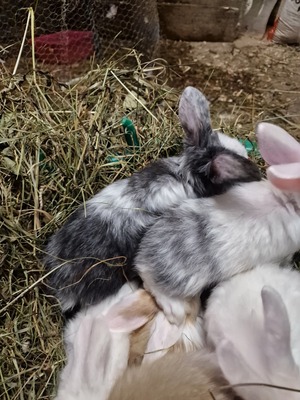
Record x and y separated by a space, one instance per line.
66 47
271 31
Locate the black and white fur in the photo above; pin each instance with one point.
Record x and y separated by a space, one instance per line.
205 241
91 256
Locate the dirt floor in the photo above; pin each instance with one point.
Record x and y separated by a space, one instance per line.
246 81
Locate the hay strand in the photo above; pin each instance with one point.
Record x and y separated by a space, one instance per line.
59 144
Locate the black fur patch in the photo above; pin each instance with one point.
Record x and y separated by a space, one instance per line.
200 164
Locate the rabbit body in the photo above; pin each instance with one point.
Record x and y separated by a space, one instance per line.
204 241
235 309
91 256
99 240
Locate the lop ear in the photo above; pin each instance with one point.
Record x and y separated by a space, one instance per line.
276 341
73 373
285 176
131 312
195 117
163 335
91 350
276 145
98 358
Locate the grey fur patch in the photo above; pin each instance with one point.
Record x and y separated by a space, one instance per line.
175 256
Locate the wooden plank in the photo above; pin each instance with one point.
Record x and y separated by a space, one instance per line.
207 3
199 22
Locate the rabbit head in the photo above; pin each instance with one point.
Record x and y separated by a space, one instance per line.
210 160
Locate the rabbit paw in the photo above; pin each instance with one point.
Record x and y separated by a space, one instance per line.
174 309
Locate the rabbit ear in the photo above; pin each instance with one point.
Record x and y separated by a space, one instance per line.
234 367
276 145
285 176
91 349
195 117
94 362
97 360
276 341
77 358
131 312
163 335
228 167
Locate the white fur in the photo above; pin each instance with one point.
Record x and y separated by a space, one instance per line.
97 361
95 311
171 194
236 325
250 225
97 353
189 337
114 197
96 356
163 335
232 144
261 221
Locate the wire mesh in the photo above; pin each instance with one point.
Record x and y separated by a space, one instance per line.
69 31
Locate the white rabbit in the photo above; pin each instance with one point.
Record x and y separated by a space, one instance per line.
104 339
205 241
96 361
253 322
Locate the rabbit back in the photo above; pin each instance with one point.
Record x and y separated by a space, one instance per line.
175 376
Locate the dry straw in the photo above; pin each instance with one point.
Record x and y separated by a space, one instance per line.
59 144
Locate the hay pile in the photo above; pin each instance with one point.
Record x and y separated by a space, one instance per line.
59 144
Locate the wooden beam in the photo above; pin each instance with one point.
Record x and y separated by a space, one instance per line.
200 20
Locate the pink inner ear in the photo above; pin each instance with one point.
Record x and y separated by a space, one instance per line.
276 145
118 322
163 334
285 176
126 325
